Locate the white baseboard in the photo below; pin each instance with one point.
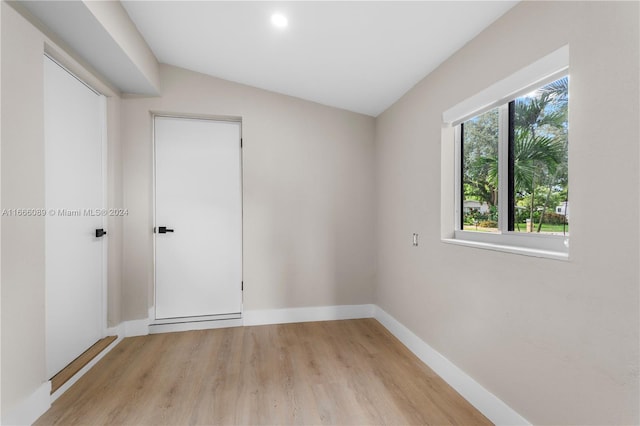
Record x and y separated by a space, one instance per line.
62 389
312 313
30 409
118 330
486 402
136 327
258 317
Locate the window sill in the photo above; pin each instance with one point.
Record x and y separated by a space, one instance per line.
524 251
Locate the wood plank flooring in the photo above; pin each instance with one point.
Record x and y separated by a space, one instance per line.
336 372
77 364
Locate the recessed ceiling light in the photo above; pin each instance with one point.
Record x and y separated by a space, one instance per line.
279 20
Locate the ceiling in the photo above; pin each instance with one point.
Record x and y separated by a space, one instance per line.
360 56
356 55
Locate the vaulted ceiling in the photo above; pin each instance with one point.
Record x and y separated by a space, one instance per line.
360 56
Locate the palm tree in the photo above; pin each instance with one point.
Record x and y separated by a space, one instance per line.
538 150
535 156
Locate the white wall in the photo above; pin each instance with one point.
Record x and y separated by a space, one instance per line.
114 223
23 332
22 168
557 341
308 193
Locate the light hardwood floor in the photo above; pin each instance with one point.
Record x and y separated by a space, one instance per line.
336 372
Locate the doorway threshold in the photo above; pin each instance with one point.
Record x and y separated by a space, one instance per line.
78 364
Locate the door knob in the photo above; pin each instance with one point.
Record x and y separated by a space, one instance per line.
164 230
100 232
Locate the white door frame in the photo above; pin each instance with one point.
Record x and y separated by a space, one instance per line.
105 218
105 194
220 118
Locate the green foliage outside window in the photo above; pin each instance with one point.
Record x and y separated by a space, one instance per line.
540 162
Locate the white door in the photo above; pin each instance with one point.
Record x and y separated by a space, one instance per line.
74 117
198 234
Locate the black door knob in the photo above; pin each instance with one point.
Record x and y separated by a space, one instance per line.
100 232
164 230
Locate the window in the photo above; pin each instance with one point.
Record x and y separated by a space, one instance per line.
511 163
535 176
480 141
538 160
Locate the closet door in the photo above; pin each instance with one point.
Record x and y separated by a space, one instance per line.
74 118
198 240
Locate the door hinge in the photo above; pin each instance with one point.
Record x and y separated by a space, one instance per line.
241 285
240 142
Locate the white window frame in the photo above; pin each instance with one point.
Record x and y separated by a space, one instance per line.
534 76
